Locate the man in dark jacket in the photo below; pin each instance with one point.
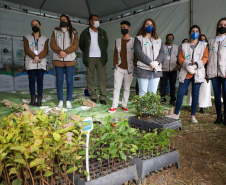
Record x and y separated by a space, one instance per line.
93 43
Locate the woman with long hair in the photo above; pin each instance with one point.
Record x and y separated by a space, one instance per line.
216 68
192 57
149 53
64 43
36 50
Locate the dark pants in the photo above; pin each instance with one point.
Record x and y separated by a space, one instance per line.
219 86
95 64
32 76
181 92
172 76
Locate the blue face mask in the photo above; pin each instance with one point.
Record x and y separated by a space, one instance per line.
149 29
203 40
194 35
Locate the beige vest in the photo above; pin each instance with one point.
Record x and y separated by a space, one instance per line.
216 66
129 53
151 49
170 58
29 65
63 41
196 56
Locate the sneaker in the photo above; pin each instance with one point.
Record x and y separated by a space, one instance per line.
124 109
112 110
68 105
60 105
193 119
173 103
174 116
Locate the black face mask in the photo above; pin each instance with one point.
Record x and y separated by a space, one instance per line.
124 31
221 30
35 29
63 24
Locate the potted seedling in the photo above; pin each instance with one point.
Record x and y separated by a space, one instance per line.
37 149
149 114
154 152
111 150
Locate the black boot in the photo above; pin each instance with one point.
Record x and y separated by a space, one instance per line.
224 123
219 119
202 111
33 98
39 102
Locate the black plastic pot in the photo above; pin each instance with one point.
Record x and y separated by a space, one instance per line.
115 178
156 163
161 122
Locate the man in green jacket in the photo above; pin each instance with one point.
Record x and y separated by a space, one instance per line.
93 43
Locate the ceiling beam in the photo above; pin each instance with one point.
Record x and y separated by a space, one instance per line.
87 4
42 4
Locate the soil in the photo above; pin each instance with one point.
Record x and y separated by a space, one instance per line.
202 150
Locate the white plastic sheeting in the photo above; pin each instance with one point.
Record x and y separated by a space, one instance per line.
173 18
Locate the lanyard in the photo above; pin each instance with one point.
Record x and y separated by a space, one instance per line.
36 42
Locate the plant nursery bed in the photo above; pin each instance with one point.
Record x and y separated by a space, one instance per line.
147 165
105 176
150 125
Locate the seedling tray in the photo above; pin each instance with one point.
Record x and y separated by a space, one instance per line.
156 163
150 125
108 177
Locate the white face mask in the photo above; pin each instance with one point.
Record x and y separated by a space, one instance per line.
96 24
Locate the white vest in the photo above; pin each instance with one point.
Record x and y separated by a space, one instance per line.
216 66
151 49
170 59
199 76
129 53
63 41
29 65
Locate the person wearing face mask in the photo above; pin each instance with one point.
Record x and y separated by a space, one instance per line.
64 42
123 63
192 58
169 69
93 43
149 53
216 68
205 90
36 50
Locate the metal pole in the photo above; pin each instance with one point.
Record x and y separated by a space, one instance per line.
191 13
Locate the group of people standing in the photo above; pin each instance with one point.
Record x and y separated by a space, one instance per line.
144 57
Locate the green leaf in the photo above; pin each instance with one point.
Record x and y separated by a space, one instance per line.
2 156
17 182
123 156
71 170
48 173
104 136
21 161
13 171
122 128
56 136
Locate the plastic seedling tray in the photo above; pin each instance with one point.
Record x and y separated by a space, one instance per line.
150 125
144 167
108 177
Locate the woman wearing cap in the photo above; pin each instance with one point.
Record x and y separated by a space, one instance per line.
64 43
36 49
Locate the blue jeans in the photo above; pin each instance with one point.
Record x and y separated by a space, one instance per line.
181 92
219 86
69 71
32 75
148 85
